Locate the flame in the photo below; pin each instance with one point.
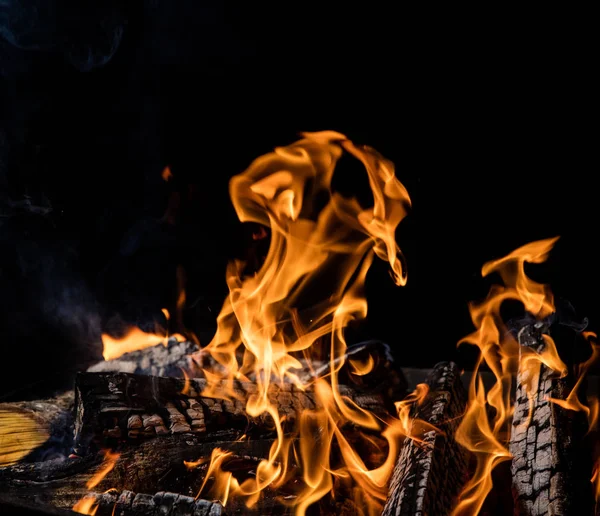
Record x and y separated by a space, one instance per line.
135 339
88 504
264 328
166 174
485 426
573 401
362 368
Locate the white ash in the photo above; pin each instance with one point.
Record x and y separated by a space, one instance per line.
157 360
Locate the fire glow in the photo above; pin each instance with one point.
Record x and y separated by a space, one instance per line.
262 335
270 328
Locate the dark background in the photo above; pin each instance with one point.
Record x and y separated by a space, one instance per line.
488 115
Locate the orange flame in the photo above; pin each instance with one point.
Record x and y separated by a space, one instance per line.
87 505
262 332
572 401
484 428
134 340
167 175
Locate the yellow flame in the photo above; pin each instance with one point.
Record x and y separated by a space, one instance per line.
321 243
482 431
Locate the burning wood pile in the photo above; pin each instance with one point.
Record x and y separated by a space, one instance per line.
279 415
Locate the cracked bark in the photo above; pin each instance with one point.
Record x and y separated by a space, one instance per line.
545 443
113 408
428 476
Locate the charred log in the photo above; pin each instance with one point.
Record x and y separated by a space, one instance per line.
545 441
430 474
127 503
117 408
159 464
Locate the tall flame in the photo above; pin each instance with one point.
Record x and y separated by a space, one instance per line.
322 244
483 429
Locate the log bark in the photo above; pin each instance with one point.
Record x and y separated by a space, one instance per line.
428 476
112 408
545 441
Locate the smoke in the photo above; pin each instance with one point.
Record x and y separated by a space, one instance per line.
49 321
87 33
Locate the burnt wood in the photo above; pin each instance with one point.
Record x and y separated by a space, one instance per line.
113 408
429 475
546 442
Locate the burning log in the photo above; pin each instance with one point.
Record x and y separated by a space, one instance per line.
116 407
545 440
156 360
127 503
430 473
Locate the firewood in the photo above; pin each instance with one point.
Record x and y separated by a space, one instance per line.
158 464
429 475
545 442
109 407
31 429
127 503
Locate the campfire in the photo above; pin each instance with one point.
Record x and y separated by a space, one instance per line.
280 414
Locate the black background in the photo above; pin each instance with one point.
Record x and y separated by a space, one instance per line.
488 115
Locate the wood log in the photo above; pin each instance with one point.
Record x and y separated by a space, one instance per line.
156 464
35 430
112 408
429 475
127 503
545 442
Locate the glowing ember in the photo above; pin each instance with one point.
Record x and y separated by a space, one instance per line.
262 334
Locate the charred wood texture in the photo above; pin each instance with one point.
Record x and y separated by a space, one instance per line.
127 503
157 464
430 474
116 408
545 442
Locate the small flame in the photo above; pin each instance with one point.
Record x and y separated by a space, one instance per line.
167 175
262 334
573 401
361 368
88 504
479 432
135 339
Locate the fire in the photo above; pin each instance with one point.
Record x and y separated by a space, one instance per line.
87 505
134 340
166 174
485 426
264 330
